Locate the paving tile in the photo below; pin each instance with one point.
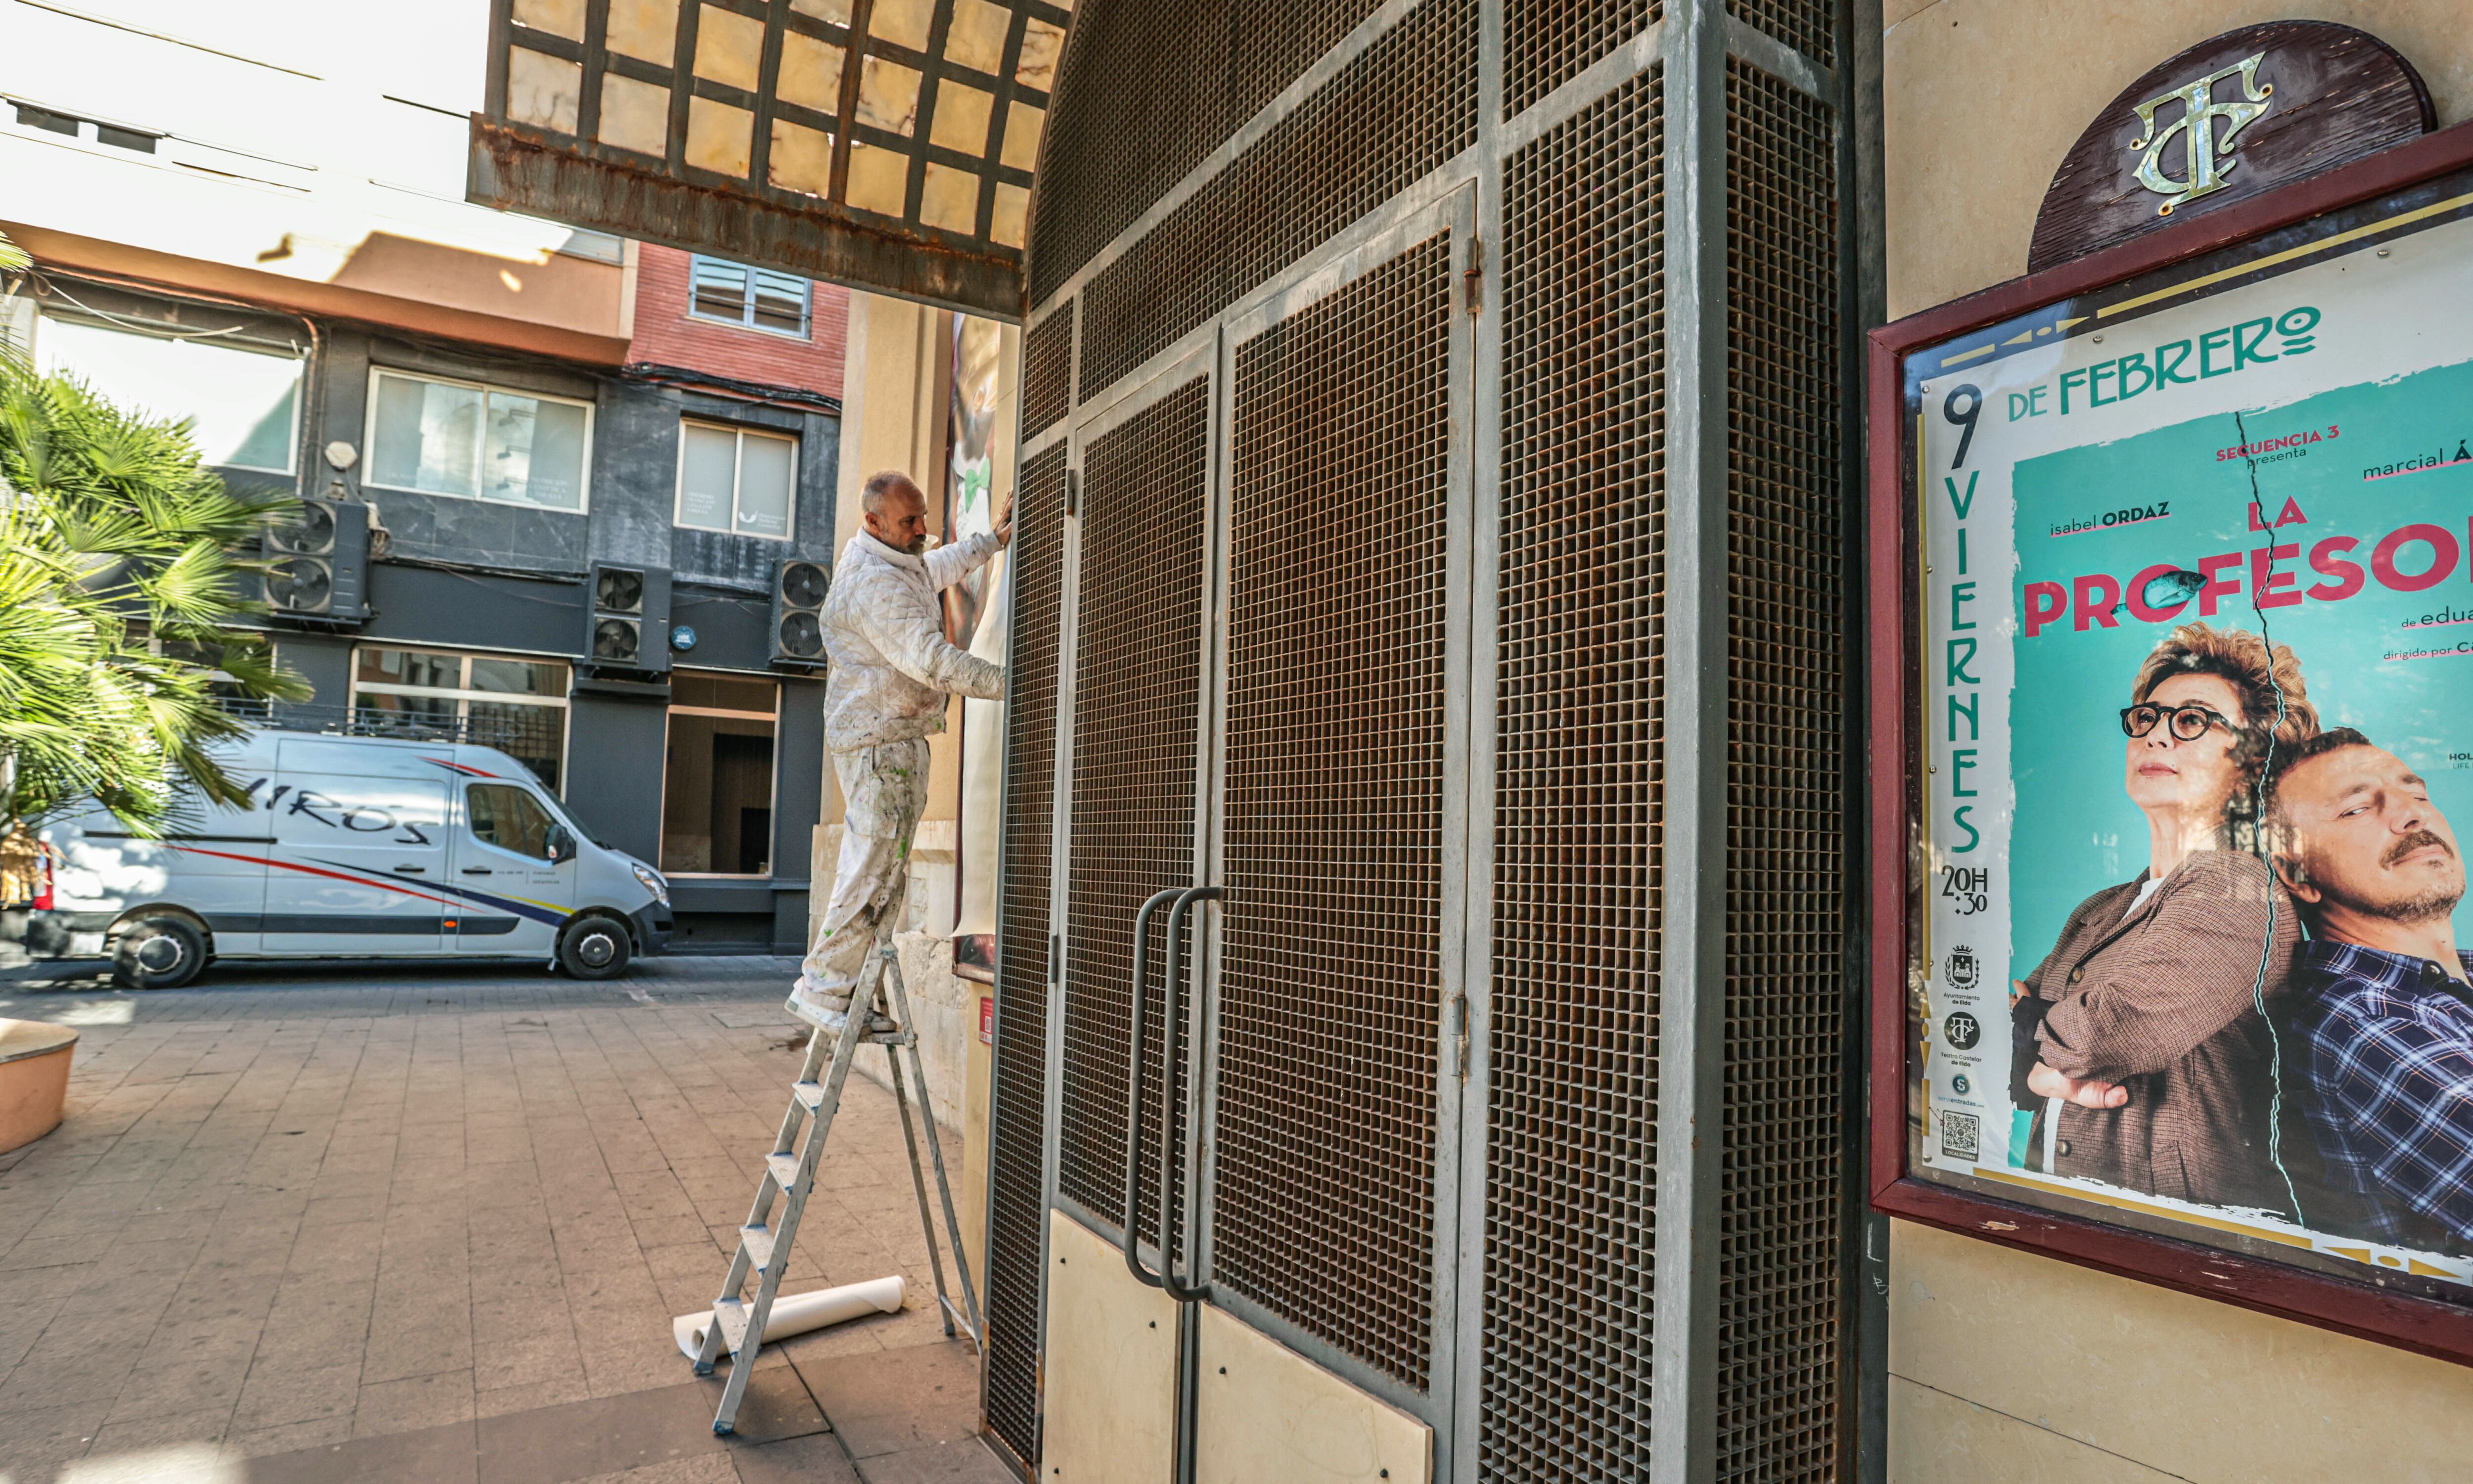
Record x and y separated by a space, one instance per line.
443 1343
900 1400
610 1435
42 1439
818 1459
188 1386
279 1397
430 1455
967 1462
291 1437
203 1428
414 1404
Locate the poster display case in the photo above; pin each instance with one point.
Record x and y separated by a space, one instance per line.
2172 754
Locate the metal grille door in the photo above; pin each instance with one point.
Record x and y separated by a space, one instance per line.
1571 1131
1329 987
1136 713
1017 1113
1783 1216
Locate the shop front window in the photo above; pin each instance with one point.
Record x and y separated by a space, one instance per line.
516 706
717 781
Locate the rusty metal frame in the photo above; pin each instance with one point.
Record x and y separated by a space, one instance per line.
579 180
519 169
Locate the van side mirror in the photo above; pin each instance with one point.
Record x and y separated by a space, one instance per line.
561 844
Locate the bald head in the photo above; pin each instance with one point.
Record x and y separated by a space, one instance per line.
894 511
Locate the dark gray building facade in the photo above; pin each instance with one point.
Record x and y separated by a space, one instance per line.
497 485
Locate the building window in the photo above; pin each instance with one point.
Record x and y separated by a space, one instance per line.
243 404
735 479
717 781
480 442
734 294
516 706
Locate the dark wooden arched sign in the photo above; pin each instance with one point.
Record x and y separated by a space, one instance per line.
2243 112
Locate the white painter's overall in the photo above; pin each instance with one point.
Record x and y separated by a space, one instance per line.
892 671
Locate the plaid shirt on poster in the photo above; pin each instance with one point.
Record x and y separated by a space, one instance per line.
2389 1048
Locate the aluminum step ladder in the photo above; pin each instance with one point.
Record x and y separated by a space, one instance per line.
791 1174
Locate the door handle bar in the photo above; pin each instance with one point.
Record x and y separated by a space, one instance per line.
1133 1096
1173 990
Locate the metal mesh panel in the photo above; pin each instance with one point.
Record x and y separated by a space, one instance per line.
1546 43
1809 26
1572 1137
1329 969
1138 666
1781 1222
1165 85
1047 372
1393 115
1017 1117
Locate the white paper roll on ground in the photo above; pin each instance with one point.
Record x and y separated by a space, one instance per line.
797 1314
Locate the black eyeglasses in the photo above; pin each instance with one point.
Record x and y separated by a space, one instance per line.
2188 723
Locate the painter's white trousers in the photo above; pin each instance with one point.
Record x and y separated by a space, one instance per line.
884 788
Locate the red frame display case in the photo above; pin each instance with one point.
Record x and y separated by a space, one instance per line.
2263 228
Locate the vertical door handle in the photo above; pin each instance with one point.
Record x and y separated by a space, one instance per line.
1173 990
1134 1094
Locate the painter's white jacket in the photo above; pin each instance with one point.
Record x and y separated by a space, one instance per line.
884 631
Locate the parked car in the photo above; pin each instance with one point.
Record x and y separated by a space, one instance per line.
353 847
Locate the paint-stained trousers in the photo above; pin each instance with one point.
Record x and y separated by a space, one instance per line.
884 787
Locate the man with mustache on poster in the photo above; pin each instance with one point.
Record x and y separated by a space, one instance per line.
2381 1017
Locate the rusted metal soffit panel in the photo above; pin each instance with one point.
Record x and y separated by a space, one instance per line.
883 144
518 169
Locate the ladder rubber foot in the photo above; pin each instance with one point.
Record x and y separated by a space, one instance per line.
723 1429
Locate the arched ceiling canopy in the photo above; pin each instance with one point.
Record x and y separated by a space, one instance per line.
883 144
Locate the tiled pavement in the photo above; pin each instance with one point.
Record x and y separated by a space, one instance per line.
430 1223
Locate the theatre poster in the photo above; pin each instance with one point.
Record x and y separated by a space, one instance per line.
2278 440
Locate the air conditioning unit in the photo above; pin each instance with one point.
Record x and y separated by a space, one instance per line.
627 619
798 633
319 571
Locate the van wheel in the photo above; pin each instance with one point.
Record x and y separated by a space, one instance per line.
593 949
158 953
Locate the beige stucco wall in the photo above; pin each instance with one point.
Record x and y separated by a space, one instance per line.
2015 1368
1981 98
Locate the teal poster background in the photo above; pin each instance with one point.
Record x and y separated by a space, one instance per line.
2075 831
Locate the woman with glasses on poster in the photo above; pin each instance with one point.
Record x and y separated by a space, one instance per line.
2139 1044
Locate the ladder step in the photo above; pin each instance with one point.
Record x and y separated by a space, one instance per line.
731 1314
784 1169
810 1095
758 1242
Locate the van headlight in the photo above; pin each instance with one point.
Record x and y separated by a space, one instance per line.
653 881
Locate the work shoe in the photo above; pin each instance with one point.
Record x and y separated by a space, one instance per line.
825 1012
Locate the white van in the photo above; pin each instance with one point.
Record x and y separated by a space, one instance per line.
351 847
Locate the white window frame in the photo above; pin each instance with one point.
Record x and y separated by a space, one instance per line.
771 798
737 466
369 436
807 330
139 330
465 695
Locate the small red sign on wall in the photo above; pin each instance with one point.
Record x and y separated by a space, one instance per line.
987 1020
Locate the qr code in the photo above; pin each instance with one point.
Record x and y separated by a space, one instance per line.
1958 1133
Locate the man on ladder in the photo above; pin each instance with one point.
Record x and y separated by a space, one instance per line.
891 675
892 672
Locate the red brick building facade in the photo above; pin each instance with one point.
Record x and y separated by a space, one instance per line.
665 334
